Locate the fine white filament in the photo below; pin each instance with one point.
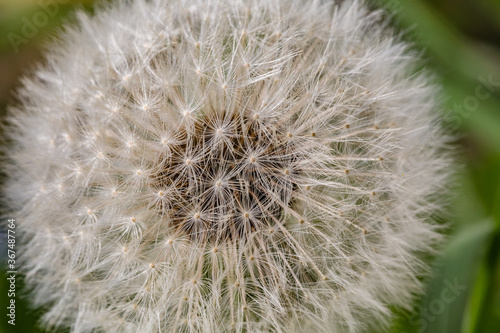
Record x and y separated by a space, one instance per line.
226 166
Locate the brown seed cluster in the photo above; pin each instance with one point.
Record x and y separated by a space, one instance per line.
226 175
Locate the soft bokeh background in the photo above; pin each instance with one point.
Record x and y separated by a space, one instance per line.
461 44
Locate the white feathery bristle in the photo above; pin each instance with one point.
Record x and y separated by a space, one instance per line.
226 166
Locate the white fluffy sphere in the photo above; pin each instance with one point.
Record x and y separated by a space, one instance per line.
226 166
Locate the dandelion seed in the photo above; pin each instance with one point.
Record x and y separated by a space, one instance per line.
285 180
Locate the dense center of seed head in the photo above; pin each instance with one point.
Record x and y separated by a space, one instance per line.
226 176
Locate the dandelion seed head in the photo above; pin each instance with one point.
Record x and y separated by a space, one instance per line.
226 166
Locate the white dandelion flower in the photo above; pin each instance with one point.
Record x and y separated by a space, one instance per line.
226 166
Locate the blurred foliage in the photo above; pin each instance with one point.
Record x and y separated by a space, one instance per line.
461 43
461 40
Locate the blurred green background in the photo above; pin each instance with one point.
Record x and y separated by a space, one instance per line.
461 44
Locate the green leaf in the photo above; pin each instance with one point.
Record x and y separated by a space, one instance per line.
485 317
456 271
478 296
